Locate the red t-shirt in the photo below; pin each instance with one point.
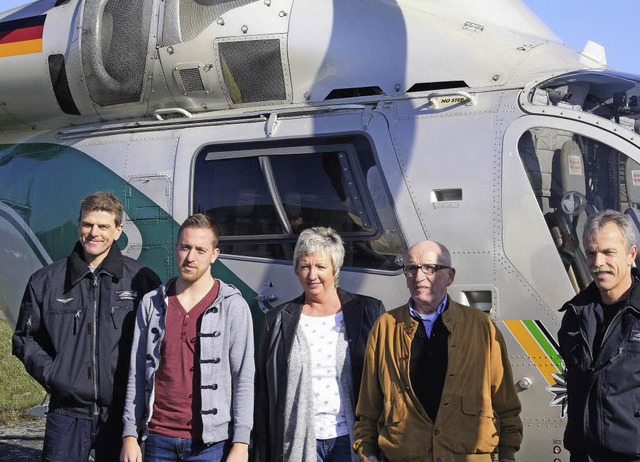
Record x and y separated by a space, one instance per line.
177 404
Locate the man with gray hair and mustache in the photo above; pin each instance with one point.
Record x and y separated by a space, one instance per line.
600 345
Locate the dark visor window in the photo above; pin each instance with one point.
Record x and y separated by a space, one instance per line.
263 195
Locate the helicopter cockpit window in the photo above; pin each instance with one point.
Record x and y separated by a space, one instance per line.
573 177
612 95
262 195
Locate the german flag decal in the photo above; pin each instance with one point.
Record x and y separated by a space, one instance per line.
21 36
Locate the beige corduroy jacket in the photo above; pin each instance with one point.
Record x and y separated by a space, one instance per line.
479 412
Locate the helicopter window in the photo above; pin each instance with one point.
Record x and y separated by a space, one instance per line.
611 95
263 195
573 177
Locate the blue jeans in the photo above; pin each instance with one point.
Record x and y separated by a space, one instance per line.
70 439
334 449
159 448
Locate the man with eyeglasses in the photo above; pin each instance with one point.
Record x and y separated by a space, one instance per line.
437 383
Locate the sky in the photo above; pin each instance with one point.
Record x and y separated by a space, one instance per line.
613 24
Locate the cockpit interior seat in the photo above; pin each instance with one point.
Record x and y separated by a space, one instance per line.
634 214
566 217
539 150
555 166
632 183
571 209
573 180
572 168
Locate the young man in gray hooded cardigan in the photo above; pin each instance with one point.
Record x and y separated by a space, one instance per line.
190 390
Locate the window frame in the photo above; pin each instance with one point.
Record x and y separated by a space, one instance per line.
351 146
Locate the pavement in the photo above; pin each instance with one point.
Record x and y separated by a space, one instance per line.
22 442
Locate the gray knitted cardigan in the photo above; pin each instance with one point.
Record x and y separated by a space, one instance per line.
226 364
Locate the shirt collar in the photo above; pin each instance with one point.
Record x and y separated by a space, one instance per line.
436 313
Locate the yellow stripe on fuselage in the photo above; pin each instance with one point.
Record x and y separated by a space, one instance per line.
20 48
532 348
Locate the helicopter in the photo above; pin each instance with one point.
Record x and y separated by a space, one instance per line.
391 121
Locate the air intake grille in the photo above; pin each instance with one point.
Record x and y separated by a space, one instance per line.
114 49
252 70
191 80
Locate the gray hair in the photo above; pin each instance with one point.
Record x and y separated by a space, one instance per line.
598 221
318 240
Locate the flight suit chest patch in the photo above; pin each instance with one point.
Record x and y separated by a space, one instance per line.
126 295
634 336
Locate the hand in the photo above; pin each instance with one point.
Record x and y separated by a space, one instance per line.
130 450
239 453
373 459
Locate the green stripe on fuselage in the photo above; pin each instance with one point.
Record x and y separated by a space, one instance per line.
45 183
544 343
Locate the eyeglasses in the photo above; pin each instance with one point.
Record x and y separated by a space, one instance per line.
428 269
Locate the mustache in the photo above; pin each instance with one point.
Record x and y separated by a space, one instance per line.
601 269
